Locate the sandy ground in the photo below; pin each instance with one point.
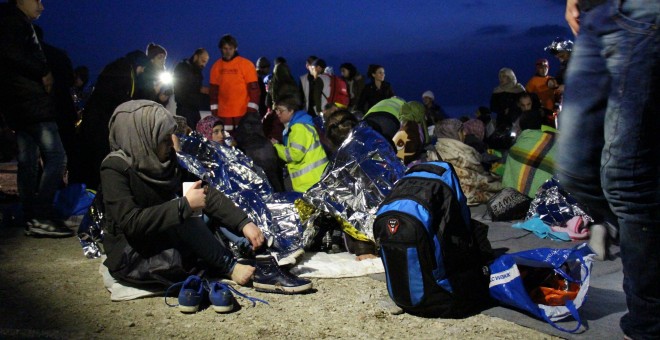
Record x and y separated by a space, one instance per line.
49 290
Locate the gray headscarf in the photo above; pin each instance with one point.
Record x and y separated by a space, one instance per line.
448 128
513 86
136 129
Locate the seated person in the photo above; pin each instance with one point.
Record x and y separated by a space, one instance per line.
530 161
474 135
148 227
206 125
478 185
338 126
301 148
384 118
366 158
218 132
251 139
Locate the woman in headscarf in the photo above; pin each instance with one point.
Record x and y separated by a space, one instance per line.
475 130
205 126
505 95
478 185
151 232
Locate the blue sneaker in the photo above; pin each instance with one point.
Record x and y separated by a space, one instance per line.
271 278
221 298
190 295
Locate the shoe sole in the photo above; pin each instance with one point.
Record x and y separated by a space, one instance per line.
41 232
260 287
188 309
290 259
223 309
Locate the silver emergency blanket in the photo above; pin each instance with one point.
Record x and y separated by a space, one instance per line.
555 206
359 178
90 230
233 173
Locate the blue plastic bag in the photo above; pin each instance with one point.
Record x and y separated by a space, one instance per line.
508 285
73 200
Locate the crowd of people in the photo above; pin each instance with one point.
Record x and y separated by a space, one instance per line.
117 138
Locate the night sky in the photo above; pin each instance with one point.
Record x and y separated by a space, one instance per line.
453 48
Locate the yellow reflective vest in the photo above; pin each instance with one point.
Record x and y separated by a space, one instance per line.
302 151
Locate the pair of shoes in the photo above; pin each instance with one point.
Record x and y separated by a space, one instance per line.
271 278
47 228
193 291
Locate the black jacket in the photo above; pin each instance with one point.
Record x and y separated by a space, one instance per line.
371 95
140 214
22 67
250 139
115 85
187 84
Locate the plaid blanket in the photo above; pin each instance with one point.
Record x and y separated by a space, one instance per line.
531 161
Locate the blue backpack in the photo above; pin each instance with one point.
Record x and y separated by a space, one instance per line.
435 256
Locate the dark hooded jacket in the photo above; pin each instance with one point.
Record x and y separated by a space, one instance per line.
250 139
115 85
22 67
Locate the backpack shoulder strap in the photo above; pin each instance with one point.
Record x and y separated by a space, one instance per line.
427 167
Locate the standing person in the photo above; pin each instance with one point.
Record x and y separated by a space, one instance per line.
561 48
281 84
62 69
539 84
26 84
116 84
375 91
504 95
149 83
320 87
263 70
307 84
609 155
188 89
234 89
355 82
301 150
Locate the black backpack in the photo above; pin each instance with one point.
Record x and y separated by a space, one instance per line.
435 256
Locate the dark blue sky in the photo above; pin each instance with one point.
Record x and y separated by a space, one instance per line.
454 48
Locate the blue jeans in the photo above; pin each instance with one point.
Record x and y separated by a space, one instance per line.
609 150
37 192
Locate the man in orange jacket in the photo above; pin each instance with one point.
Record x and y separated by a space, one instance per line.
233 85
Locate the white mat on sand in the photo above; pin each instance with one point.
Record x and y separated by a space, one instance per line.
322 265
121 292
316 265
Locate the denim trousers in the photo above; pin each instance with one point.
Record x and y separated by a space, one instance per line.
609 149
39 141
194 235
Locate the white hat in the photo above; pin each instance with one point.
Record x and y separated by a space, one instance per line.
428 94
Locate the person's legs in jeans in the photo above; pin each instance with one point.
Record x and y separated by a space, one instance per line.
28 169
621 47
631 159
54 166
